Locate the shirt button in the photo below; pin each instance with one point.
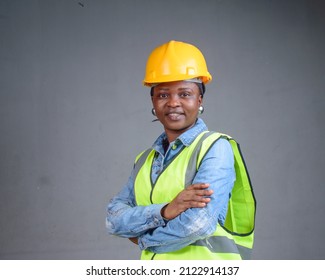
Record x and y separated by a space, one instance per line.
174 147
155 222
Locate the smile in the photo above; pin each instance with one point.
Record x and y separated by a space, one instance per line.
174 116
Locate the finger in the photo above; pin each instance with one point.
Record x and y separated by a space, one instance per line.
196 204
202 192
198 199
189 194
198 186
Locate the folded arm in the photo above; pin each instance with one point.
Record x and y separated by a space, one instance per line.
125 219
217 170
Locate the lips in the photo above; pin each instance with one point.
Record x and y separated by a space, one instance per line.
174 116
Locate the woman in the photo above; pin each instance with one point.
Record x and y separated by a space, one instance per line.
175 202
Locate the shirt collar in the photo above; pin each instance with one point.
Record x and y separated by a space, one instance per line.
186 138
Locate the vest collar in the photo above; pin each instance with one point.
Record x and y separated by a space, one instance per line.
186 138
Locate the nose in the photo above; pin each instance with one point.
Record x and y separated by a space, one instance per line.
173 101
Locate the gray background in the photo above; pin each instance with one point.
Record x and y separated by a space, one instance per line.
74 114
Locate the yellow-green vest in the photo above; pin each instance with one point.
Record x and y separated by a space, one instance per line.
234 239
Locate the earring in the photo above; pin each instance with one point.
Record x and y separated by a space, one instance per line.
201 110
153 111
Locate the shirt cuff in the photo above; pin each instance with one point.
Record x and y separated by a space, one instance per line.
155 213
157 221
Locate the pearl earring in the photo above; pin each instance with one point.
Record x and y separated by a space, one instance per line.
201 110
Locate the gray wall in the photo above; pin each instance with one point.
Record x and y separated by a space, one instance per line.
74 114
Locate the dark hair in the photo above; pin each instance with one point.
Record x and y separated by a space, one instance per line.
201 88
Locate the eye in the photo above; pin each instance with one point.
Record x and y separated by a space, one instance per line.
185 94
162 95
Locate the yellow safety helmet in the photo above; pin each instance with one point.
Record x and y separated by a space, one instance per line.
175 61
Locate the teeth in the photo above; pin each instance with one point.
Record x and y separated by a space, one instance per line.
174 116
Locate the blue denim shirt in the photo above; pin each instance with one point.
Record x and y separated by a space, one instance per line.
126 219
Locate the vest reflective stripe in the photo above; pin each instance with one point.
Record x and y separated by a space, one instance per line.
240 218
233 240
147 192
192 166
191 252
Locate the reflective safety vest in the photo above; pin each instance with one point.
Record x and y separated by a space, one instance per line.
234 239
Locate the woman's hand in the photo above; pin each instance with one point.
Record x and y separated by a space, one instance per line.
194 196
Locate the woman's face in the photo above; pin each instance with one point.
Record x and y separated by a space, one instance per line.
176 105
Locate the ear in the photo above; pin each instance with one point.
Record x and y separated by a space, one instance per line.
200 100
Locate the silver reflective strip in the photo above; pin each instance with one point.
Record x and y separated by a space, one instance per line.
222 244
246 253
141 161
191 167
216 244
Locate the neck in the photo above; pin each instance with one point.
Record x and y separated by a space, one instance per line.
173 134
